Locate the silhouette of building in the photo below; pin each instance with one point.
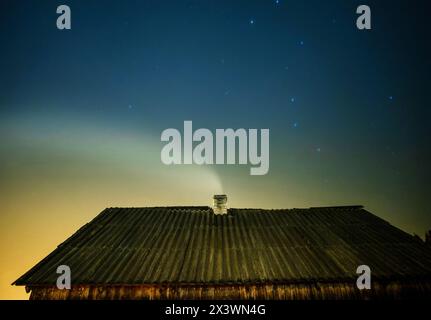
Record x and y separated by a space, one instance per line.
227 253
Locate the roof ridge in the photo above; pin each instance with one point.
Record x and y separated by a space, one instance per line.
234 208
358 206
154 207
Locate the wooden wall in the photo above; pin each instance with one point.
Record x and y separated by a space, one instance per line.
317 291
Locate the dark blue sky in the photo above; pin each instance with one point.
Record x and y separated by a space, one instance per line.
348 110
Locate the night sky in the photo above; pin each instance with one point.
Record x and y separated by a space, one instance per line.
82 110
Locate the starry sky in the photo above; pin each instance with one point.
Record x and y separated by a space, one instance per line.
82 110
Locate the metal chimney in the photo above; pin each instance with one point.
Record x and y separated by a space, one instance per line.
219 204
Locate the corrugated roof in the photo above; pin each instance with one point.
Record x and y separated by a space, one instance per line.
129 246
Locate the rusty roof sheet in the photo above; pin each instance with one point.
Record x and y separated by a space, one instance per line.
191 245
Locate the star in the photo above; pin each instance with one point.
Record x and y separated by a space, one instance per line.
295 124
391 98
251 21
318 149
292 100
301 43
